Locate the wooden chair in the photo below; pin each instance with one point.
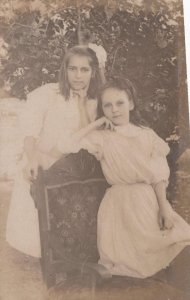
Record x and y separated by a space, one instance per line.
67 197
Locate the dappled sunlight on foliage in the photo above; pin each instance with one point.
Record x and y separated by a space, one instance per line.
143 40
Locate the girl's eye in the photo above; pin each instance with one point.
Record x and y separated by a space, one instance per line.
120 102
107 105
71 68
85 69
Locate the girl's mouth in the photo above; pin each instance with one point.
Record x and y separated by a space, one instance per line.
117 116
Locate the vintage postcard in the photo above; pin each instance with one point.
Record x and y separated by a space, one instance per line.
95 150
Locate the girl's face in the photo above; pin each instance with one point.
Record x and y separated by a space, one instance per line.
79 72
116 106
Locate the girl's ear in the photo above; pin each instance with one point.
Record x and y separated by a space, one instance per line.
131 105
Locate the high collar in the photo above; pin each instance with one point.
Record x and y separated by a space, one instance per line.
73 95
128 130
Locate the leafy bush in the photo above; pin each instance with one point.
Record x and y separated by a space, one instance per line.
143 42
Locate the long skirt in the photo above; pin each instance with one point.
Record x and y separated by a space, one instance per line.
22 231
130 241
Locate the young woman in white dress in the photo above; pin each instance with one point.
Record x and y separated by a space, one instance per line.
52 113
138 231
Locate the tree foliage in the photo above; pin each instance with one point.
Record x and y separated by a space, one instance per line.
141 40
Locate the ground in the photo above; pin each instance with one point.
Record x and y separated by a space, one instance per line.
21 278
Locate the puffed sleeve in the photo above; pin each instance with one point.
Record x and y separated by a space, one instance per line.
67 143
158 162
32 117
93 143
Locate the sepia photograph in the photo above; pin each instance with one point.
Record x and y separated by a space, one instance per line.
94 150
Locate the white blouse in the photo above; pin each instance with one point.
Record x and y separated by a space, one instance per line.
129 154
51 119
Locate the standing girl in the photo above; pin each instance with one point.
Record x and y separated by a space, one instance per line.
52 114
138 231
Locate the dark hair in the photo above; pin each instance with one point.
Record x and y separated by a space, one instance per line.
95 82
129 88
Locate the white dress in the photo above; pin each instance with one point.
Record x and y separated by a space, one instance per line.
52 120
130 241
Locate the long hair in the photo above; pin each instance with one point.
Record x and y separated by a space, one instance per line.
123 84
95 82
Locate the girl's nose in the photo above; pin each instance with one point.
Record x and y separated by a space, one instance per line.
114 108
78 73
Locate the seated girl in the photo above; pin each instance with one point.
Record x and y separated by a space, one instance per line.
138 231
52 113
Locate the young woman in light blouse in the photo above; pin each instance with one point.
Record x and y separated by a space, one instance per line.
53 112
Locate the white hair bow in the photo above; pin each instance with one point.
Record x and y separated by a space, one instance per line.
100 53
